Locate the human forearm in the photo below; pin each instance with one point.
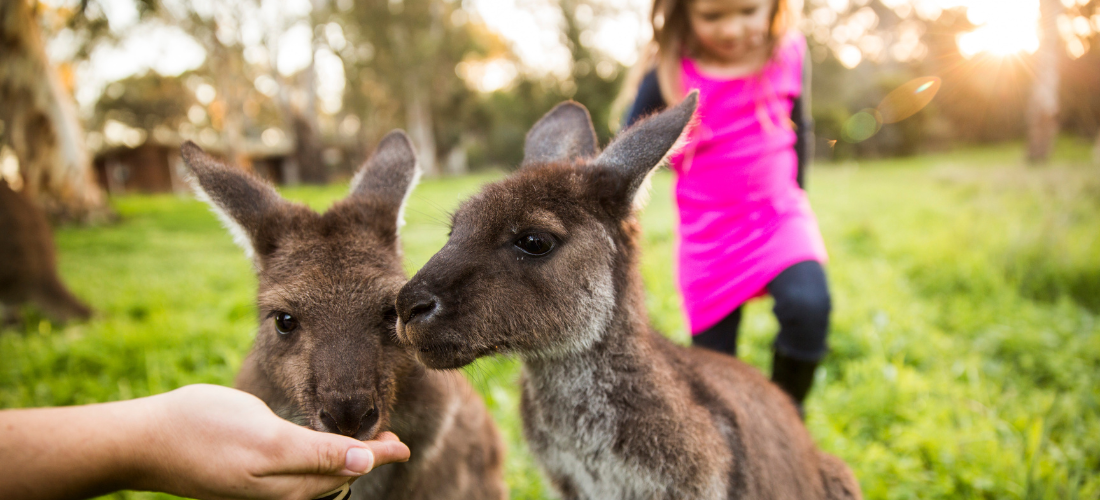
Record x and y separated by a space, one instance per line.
199 441
70 452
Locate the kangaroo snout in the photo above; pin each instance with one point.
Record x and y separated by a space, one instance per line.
422 326
349 416
415 304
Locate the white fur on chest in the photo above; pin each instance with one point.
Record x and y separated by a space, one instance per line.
576 432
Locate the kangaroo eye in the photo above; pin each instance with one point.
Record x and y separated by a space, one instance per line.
285 323
535 244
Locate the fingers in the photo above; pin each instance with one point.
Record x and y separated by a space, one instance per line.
311 452
386 436
387 449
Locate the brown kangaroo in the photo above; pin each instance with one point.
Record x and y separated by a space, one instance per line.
28 261
545 264
326 354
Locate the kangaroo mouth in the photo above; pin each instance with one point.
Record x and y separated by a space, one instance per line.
439 354
368 433
451 355
446 355
370 427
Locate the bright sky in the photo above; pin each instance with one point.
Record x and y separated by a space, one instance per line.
1001 31
1004 27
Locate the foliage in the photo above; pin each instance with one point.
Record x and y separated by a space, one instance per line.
145 102
965 341
402 55
492 124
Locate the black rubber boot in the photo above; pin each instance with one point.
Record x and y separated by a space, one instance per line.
795 377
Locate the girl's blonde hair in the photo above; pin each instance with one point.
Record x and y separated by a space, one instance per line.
672 39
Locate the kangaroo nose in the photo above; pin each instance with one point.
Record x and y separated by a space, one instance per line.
348 416
414 306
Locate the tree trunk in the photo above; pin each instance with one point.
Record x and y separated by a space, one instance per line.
1096 150
40 122
307 150
418 109
457 159
1042 117
229 68
418 117
307 146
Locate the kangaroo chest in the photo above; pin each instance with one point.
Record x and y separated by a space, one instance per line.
601 432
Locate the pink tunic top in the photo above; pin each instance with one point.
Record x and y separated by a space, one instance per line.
743 218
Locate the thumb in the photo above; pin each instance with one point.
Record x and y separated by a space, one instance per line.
364 456
311 452
386 449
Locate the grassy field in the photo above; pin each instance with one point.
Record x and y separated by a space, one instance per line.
965 342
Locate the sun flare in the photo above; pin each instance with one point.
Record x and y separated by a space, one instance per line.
1003 28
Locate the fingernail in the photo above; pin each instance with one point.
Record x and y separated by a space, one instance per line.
359 460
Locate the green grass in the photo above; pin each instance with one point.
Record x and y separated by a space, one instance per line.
965 341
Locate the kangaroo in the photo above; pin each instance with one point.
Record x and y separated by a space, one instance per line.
28 262
544 264
326 355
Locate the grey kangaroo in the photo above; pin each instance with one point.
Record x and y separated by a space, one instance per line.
28 262
326 355
545 264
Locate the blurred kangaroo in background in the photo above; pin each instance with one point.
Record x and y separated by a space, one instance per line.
545 264
28 262
326 355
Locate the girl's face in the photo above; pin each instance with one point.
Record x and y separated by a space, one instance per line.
728 30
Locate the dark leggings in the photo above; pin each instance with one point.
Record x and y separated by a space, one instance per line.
802 307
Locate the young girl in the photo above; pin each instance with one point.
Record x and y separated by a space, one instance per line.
746 226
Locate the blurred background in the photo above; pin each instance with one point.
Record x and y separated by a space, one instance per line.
957 187
299 90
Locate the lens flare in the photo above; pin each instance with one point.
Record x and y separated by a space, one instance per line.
908 99
862 126
903 102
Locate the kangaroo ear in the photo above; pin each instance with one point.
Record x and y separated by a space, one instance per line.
242 201
385 181
624 167
565 133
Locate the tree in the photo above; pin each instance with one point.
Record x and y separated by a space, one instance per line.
1096 150
301 113
405 59
217 33
499 119
40 121
144 102
1042 113
595 78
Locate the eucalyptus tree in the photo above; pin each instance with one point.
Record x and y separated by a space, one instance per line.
401 58
38 117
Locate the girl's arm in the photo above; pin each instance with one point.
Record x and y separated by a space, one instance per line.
804 125
648 100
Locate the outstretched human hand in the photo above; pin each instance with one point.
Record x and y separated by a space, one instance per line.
200 441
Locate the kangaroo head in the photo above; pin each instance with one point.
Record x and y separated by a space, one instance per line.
538 263
325 348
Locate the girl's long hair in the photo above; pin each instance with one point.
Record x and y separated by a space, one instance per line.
672 39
